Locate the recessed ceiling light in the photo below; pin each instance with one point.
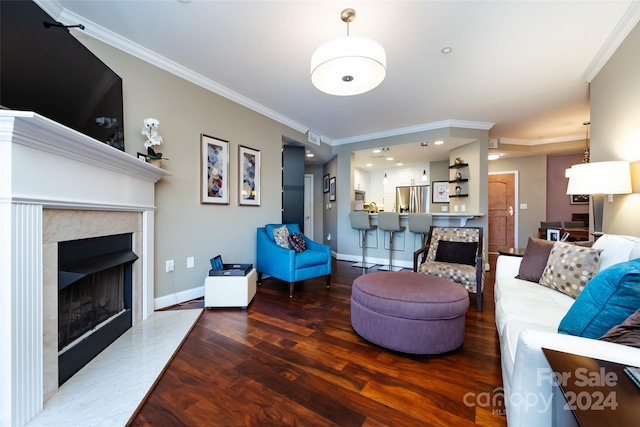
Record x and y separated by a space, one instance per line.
309 154
389 158
446 50
377 150
494 156
369 165
439 142
399 164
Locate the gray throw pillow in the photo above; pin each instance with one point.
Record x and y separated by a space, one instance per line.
535 259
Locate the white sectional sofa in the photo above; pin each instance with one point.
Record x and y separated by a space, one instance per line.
527 319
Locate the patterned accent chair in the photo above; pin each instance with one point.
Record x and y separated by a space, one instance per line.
454 253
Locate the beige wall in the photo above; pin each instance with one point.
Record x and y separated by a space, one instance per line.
615 127
532 178
184 227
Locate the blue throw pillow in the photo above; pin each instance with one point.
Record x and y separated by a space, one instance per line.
606 301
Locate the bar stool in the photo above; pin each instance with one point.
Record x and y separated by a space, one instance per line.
360 221
420 223
390 221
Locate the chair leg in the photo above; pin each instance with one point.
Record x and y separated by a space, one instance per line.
259 279
327 278
291 285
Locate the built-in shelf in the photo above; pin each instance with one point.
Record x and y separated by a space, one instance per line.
458 195
459 180
459 165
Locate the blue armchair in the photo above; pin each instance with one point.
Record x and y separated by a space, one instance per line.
287 264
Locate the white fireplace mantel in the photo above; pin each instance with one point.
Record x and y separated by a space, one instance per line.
45 165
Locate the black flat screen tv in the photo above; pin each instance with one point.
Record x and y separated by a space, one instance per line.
48 71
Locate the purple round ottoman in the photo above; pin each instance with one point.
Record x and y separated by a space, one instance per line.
409 312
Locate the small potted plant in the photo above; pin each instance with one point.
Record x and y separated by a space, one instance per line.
150 130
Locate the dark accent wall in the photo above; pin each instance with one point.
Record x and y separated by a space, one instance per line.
293 185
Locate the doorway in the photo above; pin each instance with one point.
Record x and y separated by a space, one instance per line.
503 216
308 205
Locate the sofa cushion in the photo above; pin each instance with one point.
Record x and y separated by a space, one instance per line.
610 297
616 248
627 333
529 302
569 268
457 252
281 236
535 259
296 242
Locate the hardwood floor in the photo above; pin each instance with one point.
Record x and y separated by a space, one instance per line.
298 362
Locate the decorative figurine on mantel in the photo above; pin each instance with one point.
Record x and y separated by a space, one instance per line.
150 130
458 190
457 161
458 176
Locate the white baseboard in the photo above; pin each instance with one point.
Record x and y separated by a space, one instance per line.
178 297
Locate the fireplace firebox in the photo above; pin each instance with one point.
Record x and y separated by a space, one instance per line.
94 298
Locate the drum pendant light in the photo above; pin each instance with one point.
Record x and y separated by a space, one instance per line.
348 65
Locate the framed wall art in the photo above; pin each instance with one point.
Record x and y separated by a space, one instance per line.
325 184
332 189
579 199
248 176
440 192
214 170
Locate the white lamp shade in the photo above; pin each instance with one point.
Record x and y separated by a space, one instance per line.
600 178
348 66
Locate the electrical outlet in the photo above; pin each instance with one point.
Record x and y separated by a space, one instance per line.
190 262
455 208
464 208
169 266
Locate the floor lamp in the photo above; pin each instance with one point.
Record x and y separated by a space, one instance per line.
597 179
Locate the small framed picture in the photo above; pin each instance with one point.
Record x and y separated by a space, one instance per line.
214 170
248 176
332 189
143 157
325 184
440 192
579 199
553 234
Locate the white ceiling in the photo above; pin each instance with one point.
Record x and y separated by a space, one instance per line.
522 66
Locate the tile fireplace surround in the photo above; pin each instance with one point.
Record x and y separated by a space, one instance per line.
57 184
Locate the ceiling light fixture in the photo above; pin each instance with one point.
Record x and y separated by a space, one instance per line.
348 65
493 156
385 180
439 142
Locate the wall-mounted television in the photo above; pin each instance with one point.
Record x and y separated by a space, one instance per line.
46 70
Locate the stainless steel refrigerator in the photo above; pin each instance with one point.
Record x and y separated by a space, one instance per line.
412 199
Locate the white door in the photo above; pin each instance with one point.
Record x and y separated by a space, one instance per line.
308 206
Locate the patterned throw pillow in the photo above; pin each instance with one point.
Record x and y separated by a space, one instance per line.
296 241
570 268
281 236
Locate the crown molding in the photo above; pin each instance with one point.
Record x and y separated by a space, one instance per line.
541 141
628 21
413 129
